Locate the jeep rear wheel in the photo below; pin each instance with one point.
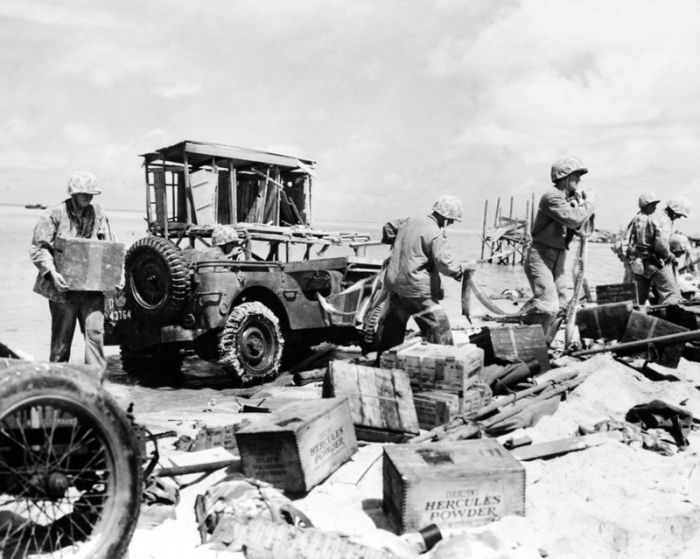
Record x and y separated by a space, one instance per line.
251 343
156 279
156 365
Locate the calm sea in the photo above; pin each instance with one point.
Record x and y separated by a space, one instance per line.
25 315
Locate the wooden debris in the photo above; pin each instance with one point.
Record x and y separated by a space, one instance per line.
559 447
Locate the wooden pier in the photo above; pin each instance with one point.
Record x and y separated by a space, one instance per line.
506 242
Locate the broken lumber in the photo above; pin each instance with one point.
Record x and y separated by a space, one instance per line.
551 449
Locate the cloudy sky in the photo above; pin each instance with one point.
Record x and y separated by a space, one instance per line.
397 101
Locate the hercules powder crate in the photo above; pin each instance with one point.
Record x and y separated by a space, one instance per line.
89 264
465 483
298 445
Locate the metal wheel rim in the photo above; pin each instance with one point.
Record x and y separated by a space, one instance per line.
103 504
257 346
147 285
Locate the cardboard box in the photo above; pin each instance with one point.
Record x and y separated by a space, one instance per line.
298 445
455 483
435 407
89 264
394 358
443 367
381 400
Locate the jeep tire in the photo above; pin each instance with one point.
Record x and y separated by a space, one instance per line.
159 365
251 344
156 279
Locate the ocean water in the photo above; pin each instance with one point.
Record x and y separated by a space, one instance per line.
25 323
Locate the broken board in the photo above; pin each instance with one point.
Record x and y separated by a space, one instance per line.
381 400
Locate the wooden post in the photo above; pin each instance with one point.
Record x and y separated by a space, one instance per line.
188 186
510 212
232 192
483 228
149 210
498 210
165 189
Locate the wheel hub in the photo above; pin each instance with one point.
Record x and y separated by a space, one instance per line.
57 484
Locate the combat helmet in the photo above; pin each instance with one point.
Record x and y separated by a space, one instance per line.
679 205
223 234
449 207
566 166
83 182
647 198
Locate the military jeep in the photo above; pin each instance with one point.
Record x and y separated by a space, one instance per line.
284 294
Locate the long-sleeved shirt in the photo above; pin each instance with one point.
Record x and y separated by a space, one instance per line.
558 216
649 238
58 222
420 254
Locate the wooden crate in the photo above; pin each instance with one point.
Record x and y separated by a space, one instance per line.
520 343
616 293
451 483
435 407
641 326
443 367
475 397
89 264
381 400
603 321
298 445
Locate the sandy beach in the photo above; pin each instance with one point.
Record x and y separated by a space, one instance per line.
613 500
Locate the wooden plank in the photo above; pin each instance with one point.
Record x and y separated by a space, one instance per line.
561 446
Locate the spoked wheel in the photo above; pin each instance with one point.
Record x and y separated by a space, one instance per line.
251 343
70 478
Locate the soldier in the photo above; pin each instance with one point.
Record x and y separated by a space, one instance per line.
75 217
651 260
419 255
563 209
680 247
225 244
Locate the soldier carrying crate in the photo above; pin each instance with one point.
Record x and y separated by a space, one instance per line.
74 218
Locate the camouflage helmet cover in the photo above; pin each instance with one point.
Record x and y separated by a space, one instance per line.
679 205
679 243
223 234
449 207
566 166
647 198
82 182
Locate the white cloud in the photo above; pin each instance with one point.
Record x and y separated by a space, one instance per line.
177 90
47 13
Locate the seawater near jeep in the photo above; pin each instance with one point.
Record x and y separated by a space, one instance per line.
280 297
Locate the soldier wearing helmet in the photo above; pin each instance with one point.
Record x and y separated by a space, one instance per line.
75 217
680 247
562 210
650 257
419 255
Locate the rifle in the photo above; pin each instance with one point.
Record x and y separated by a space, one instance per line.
468 426
668 339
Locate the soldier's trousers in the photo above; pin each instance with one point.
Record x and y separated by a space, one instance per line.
428 314
663 281
87 309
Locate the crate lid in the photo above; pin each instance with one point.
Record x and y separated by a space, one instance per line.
435 460
292 416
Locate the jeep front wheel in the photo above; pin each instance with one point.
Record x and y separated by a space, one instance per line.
251 343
